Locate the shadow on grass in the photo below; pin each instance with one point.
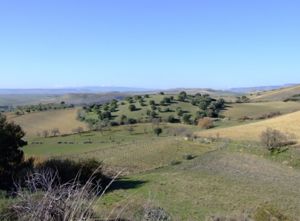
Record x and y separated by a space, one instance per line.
125 184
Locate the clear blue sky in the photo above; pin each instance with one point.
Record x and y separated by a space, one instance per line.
149 43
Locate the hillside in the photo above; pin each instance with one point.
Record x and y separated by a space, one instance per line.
289 123
76 99
256 110
65 120
212 181
277 94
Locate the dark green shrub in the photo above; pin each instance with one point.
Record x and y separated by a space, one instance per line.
132 107
157 131
131 121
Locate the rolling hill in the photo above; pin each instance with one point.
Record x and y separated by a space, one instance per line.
277 94
65 120
255 110
289 123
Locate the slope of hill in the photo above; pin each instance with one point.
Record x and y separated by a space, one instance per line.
259 88
76 99
276 95
65 120
289 123
257 110
213 181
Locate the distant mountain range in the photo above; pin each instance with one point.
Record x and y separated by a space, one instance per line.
99 89
73 90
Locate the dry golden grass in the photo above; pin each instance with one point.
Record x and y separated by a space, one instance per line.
289 123
275 95
65 120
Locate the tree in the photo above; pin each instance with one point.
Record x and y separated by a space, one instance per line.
45 133
152 102
55 132
123 119
11 154
186 118
182 96
172 119
78 130
132 107
157 131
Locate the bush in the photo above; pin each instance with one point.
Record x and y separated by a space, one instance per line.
274 140
131 121
156 214
69 201
206 123
172 119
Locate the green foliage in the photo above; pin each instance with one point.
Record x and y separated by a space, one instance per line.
186 118
132 107
182 96
20 110
157 131
159 107
172 119
11 153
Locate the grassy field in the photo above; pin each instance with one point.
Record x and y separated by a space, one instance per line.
256 110
288 123
219 179
65 120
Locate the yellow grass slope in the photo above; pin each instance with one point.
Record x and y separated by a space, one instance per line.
289 123
276 95
65 120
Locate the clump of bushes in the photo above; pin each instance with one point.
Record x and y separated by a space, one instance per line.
269 115
274 140
45 199
156 214
206 123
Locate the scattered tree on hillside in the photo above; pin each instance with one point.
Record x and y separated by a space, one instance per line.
132 107
186 118
55 132
182 96
45 133
157 131
78 130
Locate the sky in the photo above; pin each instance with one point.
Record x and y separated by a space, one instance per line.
149 43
